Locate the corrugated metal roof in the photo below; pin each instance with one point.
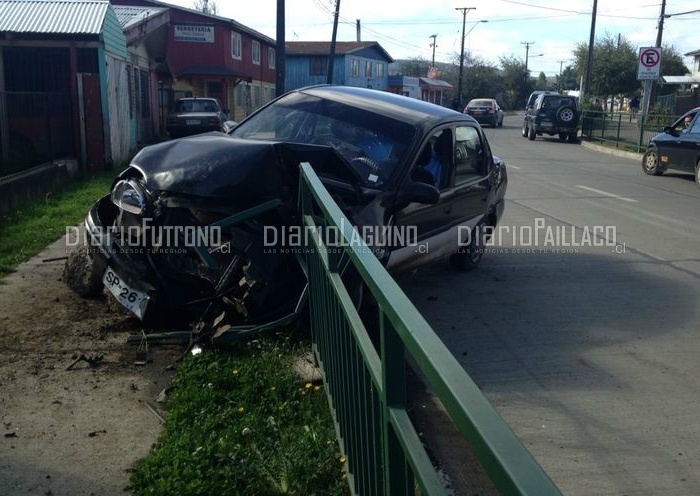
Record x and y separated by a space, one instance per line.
53 16
128 15
687 79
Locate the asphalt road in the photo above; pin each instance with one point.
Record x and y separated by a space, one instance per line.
590 353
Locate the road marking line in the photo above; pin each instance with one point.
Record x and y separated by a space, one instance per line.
605 193
513 167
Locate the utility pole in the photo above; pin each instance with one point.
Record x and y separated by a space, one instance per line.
464 11
561 62
331 57
589 59
648 83
280 50
527 51
433 36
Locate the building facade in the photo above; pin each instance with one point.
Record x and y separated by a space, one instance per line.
355 63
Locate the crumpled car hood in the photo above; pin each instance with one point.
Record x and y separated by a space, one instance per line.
240 172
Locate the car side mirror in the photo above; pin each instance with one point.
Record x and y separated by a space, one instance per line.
419 192
670 130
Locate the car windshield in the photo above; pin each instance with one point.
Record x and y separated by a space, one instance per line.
371 143
196 106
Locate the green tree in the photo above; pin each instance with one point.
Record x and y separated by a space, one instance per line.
415 67
516 82
568 79
614 65
672 62
542 83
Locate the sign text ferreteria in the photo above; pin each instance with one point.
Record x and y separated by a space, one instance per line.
194 32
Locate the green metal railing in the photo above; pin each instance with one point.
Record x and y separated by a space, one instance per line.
365 375
623 129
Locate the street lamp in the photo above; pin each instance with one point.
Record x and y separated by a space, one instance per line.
532 56
477 22
461 55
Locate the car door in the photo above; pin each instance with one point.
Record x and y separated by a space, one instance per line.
682 151
430 222
689 146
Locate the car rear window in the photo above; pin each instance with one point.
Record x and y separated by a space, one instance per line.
196 106
558 101
481 103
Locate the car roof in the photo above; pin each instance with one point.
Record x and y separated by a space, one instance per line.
406 109
196 98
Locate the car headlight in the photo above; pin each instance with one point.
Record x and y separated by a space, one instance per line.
130 196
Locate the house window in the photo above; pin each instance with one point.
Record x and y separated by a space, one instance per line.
368 68
355 67
256 52
270 57
379 69
236 46
318 66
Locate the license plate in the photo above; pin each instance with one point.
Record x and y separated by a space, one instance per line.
132 299
192 122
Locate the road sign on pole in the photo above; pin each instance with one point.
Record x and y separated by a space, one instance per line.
649 63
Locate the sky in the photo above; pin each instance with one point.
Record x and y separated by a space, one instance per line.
546 30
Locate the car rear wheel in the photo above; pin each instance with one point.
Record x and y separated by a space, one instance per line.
562 136
468 257
650 163
531 134
697 174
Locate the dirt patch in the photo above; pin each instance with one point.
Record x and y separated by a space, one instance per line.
78 431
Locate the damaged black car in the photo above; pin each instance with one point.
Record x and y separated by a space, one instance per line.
212 221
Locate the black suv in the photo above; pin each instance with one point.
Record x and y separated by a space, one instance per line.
553 114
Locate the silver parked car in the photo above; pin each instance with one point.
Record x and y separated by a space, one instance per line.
485 111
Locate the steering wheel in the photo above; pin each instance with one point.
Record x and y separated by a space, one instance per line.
366 162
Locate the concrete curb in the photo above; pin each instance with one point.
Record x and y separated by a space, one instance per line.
612 151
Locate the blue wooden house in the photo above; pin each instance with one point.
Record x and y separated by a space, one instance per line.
356 63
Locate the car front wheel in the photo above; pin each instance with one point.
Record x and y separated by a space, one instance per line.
697 174
525 130
650 163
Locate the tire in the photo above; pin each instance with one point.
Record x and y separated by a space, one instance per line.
531 133
500 123
573 138
83 273
562 137
650 163
697 174
525 130
469 257
566 114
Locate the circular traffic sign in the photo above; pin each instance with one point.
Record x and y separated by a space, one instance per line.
649 57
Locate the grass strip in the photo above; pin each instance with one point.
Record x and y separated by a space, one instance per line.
31 227
240 422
